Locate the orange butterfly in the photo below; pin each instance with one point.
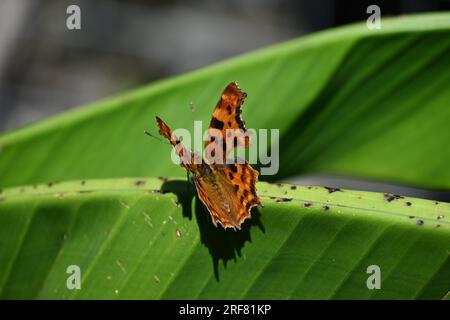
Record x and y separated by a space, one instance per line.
227 190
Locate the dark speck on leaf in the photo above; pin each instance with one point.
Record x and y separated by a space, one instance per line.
390 197
279 184
436 202
139 182
307 204
284 199
331 190
83 182
408 203
326 208
438 226
293 187
440 217
411 217
420 222
85 191
163 179
50 184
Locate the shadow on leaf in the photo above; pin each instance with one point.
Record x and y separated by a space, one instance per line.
222 244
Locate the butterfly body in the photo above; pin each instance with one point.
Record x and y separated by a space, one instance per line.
227 189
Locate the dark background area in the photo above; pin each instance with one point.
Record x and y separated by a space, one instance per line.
46 68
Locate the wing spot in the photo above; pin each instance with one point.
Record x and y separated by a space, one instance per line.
216 123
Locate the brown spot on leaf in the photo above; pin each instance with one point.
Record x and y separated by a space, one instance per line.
419 222
139 182
293 187
408 203
326 208
284 199
440 217
163 179
331 190
307 204
390 197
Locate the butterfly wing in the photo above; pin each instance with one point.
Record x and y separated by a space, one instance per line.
186 157
229 193
227 115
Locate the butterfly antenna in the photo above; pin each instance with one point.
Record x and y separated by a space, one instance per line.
155 137
192 107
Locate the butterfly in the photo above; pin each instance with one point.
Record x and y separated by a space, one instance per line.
226 188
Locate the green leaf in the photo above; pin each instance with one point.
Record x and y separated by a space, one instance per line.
133 241
349 101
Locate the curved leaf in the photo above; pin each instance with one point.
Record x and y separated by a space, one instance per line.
133 241
348 101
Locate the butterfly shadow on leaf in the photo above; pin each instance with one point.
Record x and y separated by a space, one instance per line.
223 245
